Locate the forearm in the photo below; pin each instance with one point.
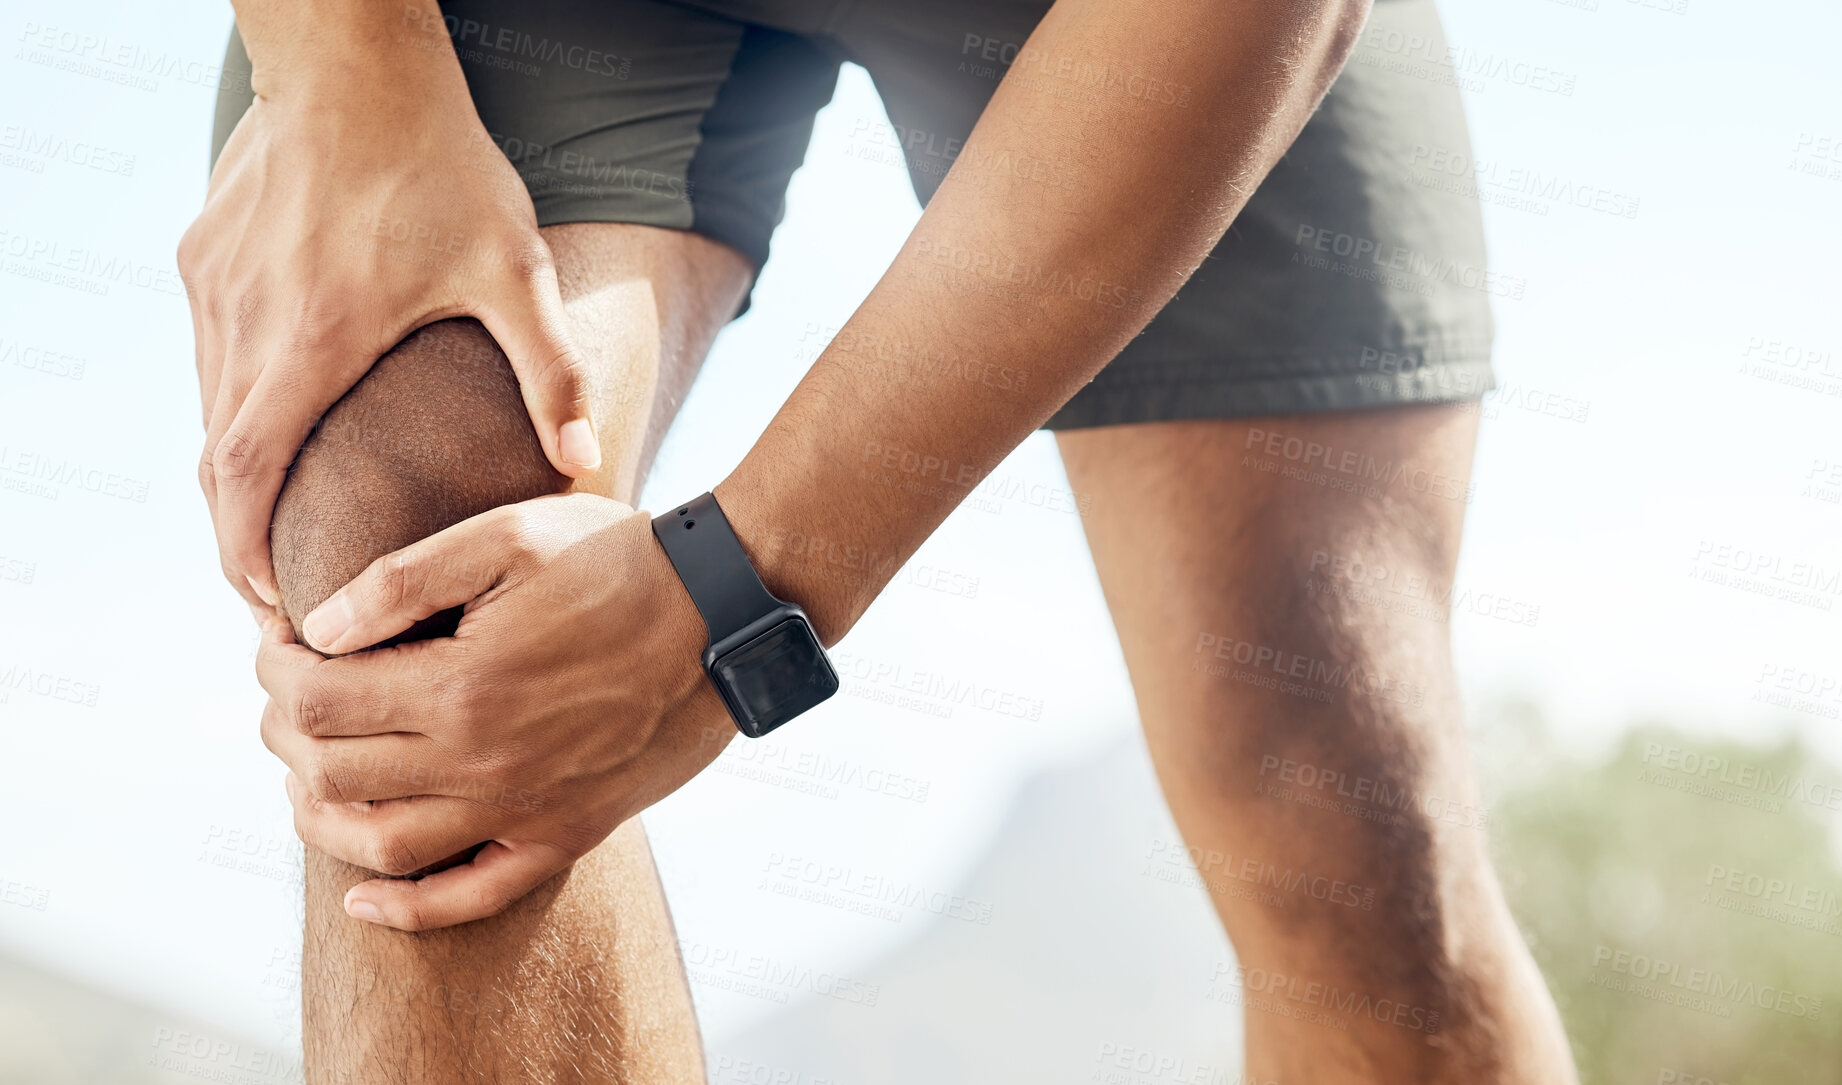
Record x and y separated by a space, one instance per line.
1047 282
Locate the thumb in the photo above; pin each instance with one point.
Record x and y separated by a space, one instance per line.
447 569
495 879
553 375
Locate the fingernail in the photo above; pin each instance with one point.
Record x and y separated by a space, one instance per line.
365 910
261 616
267 594
328 622
578 445
293 788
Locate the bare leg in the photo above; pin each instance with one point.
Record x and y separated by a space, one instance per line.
580 981
1314 731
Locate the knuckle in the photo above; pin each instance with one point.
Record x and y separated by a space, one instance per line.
573 387
399 575
243 316
530 261
451 704
519 534
304 827
189 255
326 781
207 475
318 319
522 540
313 711
565 375
389 853
237 458
190 282
185 254
319 306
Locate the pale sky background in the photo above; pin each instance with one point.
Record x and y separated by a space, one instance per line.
1717 120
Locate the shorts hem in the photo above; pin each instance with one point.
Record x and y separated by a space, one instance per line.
1145 397
562 211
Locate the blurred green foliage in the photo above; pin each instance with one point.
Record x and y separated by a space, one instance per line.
1669 852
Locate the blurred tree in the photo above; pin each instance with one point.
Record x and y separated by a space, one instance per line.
1711 866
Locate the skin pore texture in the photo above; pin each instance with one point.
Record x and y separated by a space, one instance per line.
580 981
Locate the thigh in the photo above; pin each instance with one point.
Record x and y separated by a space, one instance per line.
645 304
1225 548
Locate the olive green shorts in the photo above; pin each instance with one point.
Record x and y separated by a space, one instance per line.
1354 277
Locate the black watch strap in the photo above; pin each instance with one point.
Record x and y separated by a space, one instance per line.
714 567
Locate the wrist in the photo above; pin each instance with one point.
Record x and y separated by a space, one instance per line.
368 52
803 553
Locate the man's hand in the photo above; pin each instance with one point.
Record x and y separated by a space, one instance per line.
359 199
570 698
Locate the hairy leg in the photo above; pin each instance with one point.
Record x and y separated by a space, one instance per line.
580 981
1304 720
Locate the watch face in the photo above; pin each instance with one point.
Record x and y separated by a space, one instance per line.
775 677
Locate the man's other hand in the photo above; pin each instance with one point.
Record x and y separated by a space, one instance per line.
570 698
343 214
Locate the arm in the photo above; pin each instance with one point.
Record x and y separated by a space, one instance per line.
292 299
1052 281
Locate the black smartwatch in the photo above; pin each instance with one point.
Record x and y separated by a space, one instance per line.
763 656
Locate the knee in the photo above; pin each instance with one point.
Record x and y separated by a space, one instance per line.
436 432
1354 739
